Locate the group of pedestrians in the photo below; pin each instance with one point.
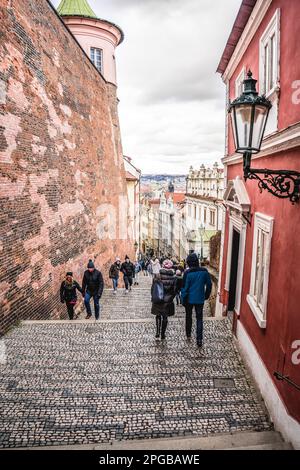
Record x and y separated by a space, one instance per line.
93 285
91 288
191 289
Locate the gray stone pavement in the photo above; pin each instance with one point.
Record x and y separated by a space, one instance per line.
94 383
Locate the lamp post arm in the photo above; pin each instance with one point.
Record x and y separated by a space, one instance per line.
284 184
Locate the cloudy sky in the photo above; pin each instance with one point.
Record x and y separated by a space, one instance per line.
172 101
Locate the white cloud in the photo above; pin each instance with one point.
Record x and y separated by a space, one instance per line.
172 101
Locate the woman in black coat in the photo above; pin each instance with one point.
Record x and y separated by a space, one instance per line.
68 293
166 308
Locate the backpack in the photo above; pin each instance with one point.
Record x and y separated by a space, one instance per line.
158 293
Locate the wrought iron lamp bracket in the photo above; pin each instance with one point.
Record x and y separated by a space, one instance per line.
284 184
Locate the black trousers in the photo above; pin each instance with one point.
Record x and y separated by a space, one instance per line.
70 311
128 281
189 319
161 325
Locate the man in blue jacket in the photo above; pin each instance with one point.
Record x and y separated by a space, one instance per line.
196 289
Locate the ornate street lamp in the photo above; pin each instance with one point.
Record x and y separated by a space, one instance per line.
249 114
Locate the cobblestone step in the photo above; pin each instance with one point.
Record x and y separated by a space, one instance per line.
111 383
135 304
265 440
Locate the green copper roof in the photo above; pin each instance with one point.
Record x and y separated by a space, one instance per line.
75 8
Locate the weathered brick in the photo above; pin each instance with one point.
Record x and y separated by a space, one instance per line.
61 163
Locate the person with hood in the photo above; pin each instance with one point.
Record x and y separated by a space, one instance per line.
92 287
196 289
165 307
128 271
156 267
114 274
68 293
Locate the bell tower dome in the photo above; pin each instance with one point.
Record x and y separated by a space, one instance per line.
99 38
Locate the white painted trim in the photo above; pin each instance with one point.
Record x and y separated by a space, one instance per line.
272 28
238 82
258 14
265 223
239 225
243 203
256 312
286 139
219 305
283 421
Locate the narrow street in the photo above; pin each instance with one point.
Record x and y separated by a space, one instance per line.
87 383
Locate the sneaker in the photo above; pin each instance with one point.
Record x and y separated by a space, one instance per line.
115 291
188 338
88 317
199 344
163 337
126 292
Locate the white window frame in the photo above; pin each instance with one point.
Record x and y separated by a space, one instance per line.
239 82
273 29
263 223
238 224
94 60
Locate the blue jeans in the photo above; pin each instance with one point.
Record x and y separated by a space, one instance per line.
115 281
199 317
87 299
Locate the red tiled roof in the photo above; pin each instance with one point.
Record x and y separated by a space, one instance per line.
242 18
177 197
154 201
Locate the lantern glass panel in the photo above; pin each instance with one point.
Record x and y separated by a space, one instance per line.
243 124
260 116
232 114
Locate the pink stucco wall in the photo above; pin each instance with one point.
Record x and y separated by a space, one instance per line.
96 33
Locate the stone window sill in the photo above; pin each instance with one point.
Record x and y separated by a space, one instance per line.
256 312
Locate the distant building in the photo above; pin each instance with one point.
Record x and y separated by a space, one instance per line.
169 223
203 207
133 176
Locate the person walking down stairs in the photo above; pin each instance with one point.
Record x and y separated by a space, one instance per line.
92 287
128 271
196 289
163 291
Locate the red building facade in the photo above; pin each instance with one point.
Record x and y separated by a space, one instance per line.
260 278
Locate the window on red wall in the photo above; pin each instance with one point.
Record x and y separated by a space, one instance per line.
269 56
258 295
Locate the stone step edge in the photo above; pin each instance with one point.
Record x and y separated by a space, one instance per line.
99 322
225 441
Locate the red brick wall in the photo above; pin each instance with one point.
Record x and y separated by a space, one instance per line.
61 166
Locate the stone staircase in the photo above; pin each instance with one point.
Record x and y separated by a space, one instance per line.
110 385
